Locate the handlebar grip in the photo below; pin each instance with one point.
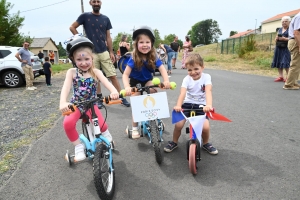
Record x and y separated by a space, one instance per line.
72 109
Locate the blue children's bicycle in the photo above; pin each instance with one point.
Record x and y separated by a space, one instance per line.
152 128
98 148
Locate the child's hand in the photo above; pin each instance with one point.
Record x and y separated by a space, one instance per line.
207 108
166 85
177 108
64 107
128 91
114 95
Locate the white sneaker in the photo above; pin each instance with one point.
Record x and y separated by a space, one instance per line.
34 87
107 135
135 134
79 153
29 88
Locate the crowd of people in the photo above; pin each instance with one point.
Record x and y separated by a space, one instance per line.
95 52
90 54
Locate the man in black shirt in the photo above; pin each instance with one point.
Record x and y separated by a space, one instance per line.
175 46
41 57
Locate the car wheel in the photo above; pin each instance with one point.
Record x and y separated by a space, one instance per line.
12 79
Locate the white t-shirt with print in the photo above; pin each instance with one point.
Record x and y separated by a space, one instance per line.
196 89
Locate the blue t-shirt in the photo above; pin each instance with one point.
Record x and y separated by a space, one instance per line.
145 74
168 49
47 67
25 55
95 27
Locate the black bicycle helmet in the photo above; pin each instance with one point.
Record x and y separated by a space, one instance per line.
76 42
144 29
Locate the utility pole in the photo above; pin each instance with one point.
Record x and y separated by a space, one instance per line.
82 11
255 25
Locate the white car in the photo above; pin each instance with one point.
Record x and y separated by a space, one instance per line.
11 72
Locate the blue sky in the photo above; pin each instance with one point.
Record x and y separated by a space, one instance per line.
168 16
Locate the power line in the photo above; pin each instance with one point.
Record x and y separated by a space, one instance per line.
44 6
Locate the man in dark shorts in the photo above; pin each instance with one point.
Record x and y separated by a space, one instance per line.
175 46
97 28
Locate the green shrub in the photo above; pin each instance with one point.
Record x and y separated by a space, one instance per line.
248 45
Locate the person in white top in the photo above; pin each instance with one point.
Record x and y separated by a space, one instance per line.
196 90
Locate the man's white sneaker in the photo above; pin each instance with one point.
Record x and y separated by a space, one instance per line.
34 87
29 88
79 153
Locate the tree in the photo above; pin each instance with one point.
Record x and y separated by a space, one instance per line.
61 50
10 25
157 38
205 32
232 33
168 39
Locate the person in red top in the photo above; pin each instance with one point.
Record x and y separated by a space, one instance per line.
51 55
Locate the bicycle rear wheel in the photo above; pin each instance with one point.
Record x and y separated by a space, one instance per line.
104 178
193 158
155 141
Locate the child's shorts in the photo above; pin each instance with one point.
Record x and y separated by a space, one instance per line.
192 106
134 82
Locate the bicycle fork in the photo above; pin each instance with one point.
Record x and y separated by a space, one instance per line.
159 127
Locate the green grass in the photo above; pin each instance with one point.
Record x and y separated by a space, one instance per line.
56 68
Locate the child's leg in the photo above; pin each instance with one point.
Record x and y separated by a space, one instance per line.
135 133
176 134
205 136
177 130
69 125
205 132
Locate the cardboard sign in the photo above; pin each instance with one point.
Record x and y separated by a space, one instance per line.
149 107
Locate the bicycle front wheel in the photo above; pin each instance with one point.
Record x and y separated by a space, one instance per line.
155 141
193 158
104 178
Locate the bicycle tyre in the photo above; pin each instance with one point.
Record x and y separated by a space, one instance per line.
193 158
104 178
155 142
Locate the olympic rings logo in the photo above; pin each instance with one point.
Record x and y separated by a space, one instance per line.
150 115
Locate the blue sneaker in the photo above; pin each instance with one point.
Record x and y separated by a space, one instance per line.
170 147
125 102
210 149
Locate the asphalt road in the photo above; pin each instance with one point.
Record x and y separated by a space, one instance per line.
258 152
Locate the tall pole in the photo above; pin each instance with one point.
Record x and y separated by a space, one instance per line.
82 11
255 25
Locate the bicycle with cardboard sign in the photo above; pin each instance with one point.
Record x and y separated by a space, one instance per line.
148 112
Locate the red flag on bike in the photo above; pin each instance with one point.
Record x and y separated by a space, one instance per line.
216 116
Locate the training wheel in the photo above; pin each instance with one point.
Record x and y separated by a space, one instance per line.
128 132
68 158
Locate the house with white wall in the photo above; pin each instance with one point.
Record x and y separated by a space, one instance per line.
272 24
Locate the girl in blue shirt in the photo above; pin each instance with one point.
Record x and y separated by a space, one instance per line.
141 66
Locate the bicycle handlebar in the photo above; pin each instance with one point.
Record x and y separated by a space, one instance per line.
106 100
141 89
